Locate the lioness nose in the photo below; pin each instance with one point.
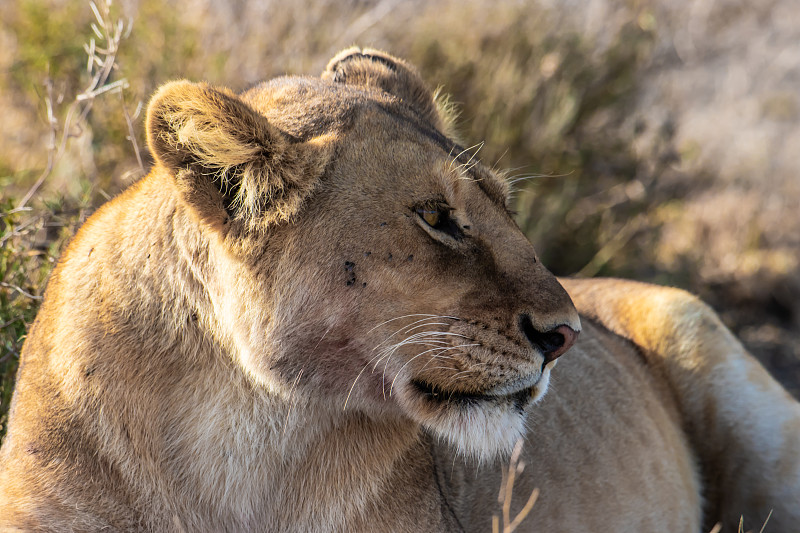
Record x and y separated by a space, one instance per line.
552 343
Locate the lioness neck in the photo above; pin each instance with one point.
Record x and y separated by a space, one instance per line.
162 398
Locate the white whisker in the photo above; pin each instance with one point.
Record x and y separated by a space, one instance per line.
399 318
422 320
420 354
465 150
431 340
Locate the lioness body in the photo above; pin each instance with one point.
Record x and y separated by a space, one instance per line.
315 314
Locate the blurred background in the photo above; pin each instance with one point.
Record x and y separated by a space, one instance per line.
650 139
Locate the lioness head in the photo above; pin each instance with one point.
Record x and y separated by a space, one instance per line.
362 259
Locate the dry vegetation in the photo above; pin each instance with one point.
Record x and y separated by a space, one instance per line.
650 139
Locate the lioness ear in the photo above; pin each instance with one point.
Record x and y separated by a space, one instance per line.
373 68
227 159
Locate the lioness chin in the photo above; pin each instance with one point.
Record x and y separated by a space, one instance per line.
316 314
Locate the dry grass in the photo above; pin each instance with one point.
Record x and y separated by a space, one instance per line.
649 139
503 523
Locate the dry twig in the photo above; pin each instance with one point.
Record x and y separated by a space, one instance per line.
101 62
19 290
515 467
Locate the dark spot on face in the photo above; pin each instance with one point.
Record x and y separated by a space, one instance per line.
383 224
193 317
367 254
148 256
90 252
364 284
389 257
88 372
410 257
466 227
351 276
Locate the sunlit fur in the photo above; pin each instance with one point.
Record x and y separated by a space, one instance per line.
264 335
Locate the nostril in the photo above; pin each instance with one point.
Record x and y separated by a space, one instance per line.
552 343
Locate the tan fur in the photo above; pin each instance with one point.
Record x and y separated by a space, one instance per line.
264 334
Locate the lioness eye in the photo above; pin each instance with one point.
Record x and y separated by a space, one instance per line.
437 218
432 217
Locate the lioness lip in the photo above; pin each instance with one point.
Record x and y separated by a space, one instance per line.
433 393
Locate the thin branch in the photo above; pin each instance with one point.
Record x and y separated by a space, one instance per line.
51 143
117 85
26 226
524 512
515 467
4 214
7 356
104 57
611 247
366 21
8 323
131 132
19 290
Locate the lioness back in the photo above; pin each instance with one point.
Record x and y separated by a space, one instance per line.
316 313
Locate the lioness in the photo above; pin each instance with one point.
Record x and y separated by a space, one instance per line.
316 314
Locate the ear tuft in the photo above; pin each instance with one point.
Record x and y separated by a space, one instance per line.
373 68
202 133
195 124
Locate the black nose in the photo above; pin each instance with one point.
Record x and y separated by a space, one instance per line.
552 343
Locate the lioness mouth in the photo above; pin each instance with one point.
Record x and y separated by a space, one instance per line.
438 395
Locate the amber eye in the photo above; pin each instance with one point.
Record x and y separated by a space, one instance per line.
432 217
437 217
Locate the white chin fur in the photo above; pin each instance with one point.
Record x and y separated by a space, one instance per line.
481 430
477 432
541 386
